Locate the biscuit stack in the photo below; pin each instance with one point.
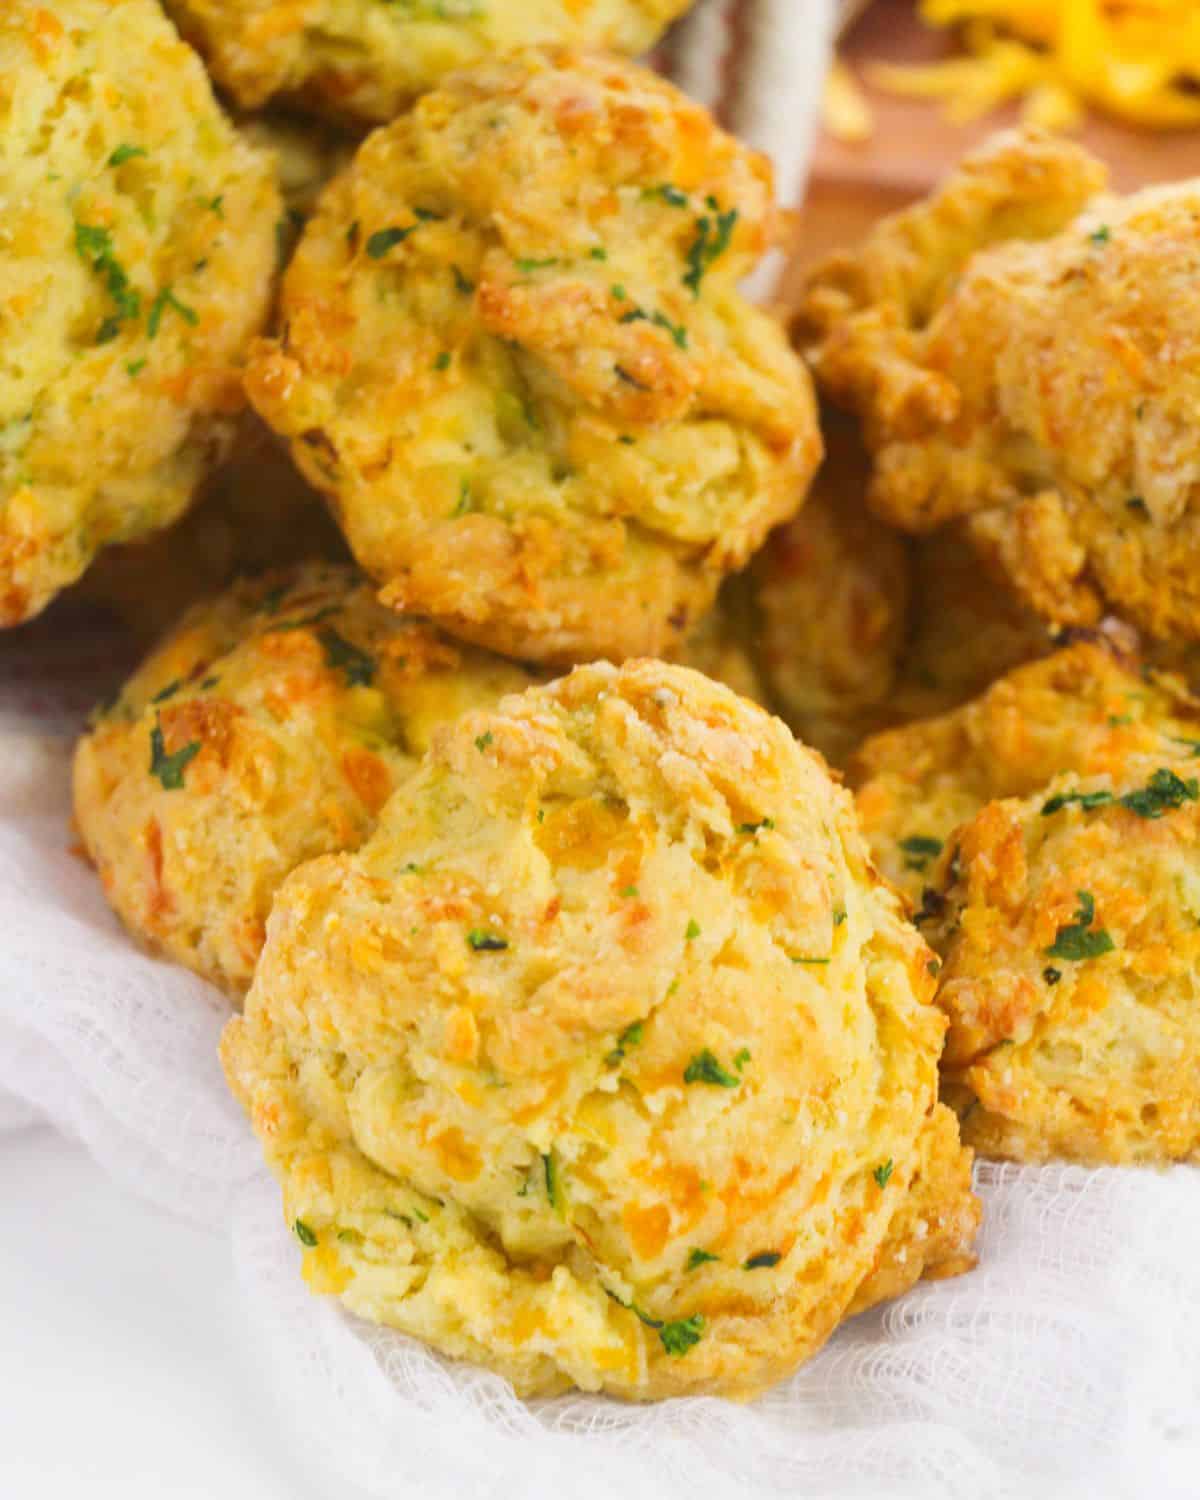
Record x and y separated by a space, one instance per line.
593 1031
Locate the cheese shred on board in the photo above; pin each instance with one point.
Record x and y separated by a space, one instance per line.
1136 59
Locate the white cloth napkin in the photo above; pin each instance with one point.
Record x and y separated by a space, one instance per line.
1067 1365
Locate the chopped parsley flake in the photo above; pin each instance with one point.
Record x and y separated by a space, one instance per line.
762 1261
597 252
168 692
704 1068
527 263
920 849
682 1335
1079 939
1100 236
1162 794
170 768
125 153
482 741
461 283
217 205
630 1037
384 240
619 293
839 916
692 931
755 827
553 1187
463 504
167 298
94 244
629 892
882 1173
1135 502
934 967
342 655
713 238
442 362
485 942
698 1258
799 959
1086 800
669 194
135 367
741 1058
304 1234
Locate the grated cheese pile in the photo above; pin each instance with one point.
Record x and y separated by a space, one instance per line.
1136 59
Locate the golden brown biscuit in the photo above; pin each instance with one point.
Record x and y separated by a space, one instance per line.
1085 709
136 261
831 606
255 513
271 726
365 60
1025 351
1050 832
514 356
1070 926
606 1061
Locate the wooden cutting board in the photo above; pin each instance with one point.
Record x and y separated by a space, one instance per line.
913 145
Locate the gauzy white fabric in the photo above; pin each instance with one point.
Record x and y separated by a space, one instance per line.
1066 1365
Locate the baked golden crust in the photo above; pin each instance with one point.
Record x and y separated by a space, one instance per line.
514 356
362 60
269 727
1049 831
136 261
1024 350
606 1061
1084 708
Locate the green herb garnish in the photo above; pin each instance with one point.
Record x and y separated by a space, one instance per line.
762 1261
704 1068
741 1058
630 1037
94 244
1086 800
755 827
344 656
553 1188
920 849
125 153
692 931
482 741
713 237
167 298
170 768
304 1234
485 942
682 1335
1100 236
442 362
1162 794
698 1258
1079 940
1052 976
882 1173
384 240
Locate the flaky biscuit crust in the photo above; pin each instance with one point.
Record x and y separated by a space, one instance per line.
269 727
362 61
1025 351
1047 834
136 261
606 1062
514 357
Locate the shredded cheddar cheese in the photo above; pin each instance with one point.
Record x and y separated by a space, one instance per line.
1136 59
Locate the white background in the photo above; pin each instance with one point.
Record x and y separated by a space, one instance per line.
122 1371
